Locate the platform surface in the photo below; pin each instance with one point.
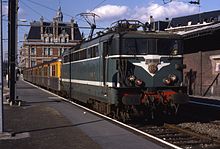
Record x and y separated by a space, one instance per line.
46 121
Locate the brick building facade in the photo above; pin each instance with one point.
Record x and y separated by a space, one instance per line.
47 40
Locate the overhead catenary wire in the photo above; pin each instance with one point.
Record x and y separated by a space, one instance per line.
98 5
154 9
33 10
52 9
49 8
166 2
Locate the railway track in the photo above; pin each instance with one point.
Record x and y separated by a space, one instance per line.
180 137
168 135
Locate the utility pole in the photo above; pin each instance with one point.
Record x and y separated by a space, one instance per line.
12 46
1 73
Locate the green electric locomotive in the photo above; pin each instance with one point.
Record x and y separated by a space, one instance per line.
126 71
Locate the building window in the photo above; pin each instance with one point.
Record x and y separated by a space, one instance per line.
33 63
50 51
215 61
33 51
63 39
45 51
60 51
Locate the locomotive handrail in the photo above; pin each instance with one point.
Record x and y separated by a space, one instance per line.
127 25
211 84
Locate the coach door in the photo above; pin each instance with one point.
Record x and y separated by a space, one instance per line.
104 63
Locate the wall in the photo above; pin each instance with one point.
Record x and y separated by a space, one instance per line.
202 57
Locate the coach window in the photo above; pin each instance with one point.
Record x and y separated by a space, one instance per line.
53 70
66 58
45 71
89 53
40 71
105 48
83 54
72 57
75 56
93 52
96 51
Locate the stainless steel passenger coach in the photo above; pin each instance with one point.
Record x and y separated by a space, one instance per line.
126 71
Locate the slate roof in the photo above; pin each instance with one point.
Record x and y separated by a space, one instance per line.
34 32
196 18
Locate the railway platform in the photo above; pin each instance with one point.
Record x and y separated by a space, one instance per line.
46 121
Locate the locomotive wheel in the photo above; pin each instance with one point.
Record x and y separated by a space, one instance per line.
122 115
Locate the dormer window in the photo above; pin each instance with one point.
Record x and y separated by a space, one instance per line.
189 23
63 39
47 39
205 21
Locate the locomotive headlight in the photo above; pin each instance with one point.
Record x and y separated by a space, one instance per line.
167 81
173 77
152 67
138 82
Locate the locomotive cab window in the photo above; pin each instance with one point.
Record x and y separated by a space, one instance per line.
151 46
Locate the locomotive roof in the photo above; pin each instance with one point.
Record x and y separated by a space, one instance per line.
132 34
141 34
125 34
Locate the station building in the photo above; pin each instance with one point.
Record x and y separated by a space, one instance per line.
47 40
201 33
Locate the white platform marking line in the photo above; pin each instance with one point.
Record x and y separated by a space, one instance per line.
127 126
205 104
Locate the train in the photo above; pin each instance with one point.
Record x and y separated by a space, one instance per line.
123 72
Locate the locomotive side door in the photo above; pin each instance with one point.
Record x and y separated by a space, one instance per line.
103 63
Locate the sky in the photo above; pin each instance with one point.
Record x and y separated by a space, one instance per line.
108 11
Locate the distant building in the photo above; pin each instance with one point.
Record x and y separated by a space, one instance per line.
47 40
191 22
201 34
